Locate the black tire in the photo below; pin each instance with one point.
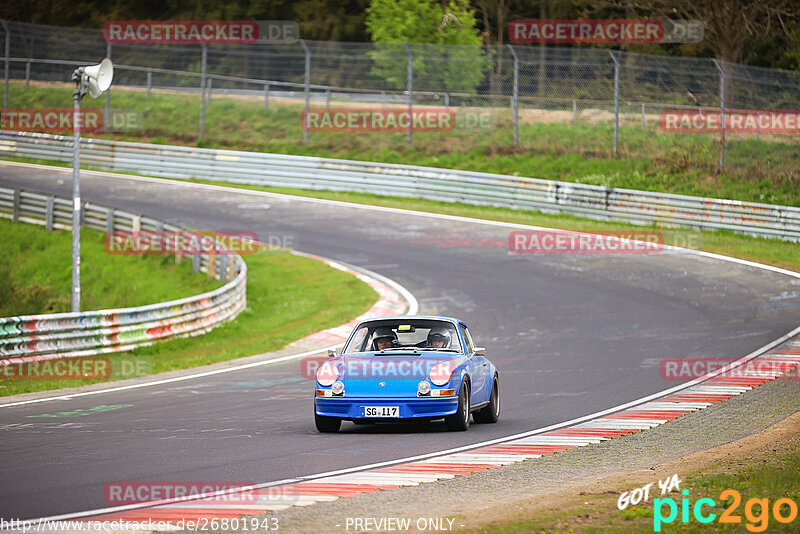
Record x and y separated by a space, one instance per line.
491 412
459 421
326 424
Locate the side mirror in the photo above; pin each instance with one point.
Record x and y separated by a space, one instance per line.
331 353
480 351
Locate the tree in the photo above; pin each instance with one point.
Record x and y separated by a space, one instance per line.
730 25
422 24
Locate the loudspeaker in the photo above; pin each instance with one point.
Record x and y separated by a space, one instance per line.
98 77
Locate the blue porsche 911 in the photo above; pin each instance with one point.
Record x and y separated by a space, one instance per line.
410 368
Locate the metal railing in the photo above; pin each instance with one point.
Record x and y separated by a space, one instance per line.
60 335
549 196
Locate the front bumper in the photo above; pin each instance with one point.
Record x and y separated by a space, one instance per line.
410 408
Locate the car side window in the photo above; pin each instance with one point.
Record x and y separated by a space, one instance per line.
467 339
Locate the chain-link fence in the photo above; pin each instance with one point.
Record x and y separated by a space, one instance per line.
518 84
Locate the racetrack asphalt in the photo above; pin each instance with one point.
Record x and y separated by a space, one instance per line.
570 334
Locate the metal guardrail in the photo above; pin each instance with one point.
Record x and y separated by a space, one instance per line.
60 335
598 202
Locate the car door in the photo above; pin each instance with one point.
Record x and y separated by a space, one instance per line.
478 368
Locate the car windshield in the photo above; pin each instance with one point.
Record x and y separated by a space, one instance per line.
405 335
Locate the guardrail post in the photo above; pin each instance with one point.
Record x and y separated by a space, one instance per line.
196 261
266 96
212 264
15 206
410 89
616 100
48 213
231 269
204 60
307 88
515 97
107 112
7 61
223 268
149 81
328 98
110 213
447 100
209 89
722 83
27 74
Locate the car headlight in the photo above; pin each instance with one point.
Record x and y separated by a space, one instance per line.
440 373
327 374
423 388
337 388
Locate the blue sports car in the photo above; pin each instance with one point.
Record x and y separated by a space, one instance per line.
409 368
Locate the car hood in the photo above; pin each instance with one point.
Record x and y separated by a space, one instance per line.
391 374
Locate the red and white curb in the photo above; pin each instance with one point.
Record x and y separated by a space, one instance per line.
391 301
712 388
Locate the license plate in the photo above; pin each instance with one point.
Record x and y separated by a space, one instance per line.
381 411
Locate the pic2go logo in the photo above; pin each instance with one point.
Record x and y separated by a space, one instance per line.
756 511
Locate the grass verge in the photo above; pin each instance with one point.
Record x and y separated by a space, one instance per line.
760 170
288 297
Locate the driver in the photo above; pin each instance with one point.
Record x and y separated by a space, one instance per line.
384 338
439 337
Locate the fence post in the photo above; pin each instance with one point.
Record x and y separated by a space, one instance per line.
722 84
515 97
616 100
642 116
204 48
410 89
447 100
266 96
6 63
307 88
208 90
149 81
574 112
328 98
27 74
108 94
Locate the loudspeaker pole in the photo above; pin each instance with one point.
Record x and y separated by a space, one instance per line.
77 76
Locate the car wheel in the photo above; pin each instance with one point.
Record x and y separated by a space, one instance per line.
459 421
327 424
491 412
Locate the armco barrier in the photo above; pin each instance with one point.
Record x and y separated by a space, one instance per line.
638 207
59 335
